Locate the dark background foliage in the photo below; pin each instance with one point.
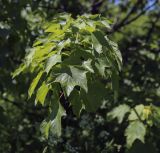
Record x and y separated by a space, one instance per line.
135 28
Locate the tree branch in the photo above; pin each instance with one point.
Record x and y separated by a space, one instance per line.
127 21
141 13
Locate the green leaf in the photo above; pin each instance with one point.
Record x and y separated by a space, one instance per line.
106 23
42 93
56 122
79 77
34 83
135 130
76 102
54 27
96 42
45 149
63 44
45 128
136 113
94 97
101 65
116 54
119 112
87 65
41 51
66 81
53 60
70 79
20 69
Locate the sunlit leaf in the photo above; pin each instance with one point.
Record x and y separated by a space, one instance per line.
119 112
52 61
42 93
34 83
135 130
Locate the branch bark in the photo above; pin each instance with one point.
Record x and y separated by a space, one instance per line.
127 20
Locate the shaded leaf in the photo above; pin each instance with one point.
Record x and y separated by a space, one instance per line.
139 147
45 128
20 69
94 97
87 65
66 81
56 122
79 77
75 100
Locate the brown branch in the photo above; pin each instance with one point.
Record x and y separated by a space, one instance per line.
126 20
95 6
141 13
132 10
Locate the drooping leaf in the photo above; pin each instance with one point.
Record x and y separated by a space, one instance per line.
52 61
66 81
87 65
42 93
56 121
45 128
20 69
79 77
34 83
94 97
135 130
70 79
96 42
101 65
76 102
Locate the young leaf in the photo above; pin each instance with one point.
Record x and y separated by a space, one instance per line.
42 93
34 83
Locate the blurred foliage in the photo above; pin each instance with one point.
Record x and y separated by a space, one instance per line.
135 28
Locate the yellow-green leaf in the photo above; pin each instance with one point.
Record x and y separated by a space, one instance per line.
42 93
34 83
